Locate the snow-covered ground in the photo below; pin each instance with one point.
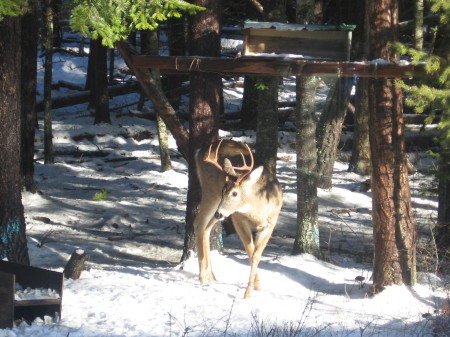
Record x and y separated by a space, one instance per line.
136 287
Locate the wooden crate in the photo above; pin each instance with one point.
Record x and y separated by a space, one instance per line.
318 42
27 276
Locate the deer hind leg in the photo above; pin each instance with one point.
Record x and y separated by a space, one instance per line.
203 224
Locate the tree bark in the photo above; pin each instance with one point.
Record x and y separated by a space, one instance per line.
443 229
49 157
266 146
360 160
418 24
28 93
150 45
393 224
307 237
177 31
249 110
99 84
13 243
204 107
266 98
329 129
75 265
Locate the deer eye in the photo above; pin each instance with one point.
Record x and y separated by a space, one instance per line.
234 194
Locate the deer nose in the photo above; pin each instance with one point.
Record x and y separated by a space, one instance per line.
218 215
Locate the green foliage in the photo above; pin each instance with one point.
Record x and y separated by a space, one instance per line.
260 85
115 20
442 7
100 196
431 93
11 7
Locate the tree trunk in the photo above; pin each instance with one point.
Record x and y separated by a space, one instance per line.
307 237
177 28
13 243
266 106
75 265
28 93
393 224
204 107
443 231
418 24
360 160
48 68
266 146
150 45
99 91
329 129
443 227
249 110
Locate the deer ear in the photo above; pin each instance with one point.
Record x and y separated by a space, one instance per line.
255 175
228 168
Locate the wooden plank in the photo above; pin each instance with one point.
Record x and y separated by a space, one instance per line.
276 66
36 302
7 284
33 277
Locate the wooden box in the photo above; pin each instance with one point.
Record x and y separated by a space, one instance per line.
12 309
308 41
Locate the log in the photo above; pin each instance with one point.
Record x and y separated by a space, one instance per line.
83 97
75 265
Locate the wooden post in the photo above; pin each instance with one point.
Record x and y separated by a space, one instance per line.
75 265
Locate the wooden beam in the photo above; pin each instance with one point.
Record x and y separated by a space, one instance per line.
276 66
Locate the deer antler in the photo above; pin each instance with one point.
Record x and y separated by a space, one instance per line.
246 167
214 161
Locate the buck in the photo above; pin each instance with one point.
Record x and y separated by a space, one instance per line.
230 186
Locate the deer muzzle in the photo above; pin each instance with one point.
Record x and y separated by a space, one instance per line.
218 215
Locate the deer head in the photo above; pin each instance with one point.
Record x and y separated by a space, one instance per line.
238 186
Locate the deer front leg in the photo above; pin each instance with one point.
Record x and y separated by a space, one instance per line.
262 237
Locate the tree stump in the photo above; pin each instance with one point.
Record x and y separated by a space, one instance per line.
75 265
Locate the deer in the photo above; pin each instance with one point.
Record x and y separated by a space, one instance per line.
231 186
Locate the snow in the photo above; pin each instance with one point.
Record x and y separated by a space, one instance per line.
137 287
34 293
287 26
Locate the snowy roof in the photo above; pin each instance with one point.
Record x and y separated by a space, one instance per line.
291 26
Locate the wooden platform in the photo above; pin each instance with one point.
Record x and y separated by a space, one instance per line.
313 41
35 278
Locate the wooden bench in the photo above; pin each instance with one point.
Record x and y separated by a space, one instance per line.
27 309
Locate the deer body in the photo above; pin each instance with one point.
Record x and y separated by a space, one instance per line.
252 198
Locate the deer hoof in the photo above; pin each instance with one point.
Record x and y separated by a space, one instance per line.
205 279
247 293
